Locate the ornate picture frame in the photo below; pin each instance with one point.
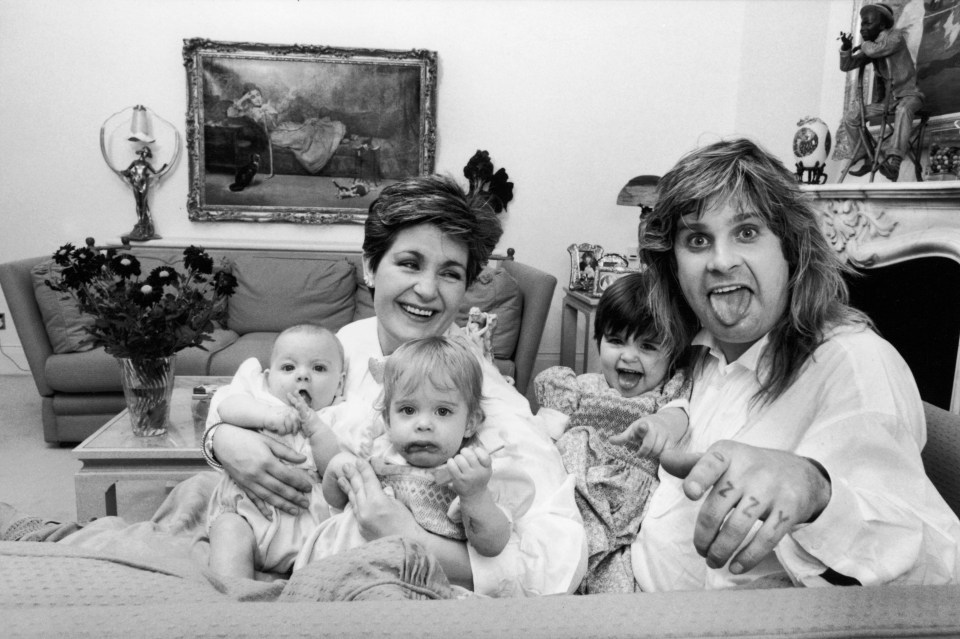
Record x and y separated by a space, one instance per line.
303 134
584 262
607 275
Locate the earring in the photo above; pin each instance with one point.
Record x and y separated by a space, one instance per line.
367 280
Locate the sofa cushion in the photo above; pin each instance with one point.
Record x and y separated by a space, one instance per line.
256 344
94 371
62 318
274 293
495 291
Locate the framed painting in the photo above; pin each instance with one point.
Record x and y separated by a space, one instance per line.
303 134
931 34
607 275
584 262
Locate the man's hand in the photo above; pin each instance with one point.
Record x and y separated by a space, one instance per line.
747 484
846 41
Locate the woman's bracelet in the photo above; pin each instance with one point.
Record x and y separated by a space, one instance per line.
206 446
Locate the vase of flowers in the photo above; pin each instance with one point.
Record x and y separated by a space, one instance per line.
144 320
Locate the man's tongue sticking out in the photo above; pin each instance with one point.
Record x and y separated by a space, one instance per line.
730 306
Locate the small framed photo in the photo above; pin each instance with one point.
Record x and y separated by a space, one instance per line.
607 275
584 262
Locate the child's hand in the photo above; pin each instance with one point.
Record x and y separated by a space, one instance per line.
307 418
470 471
283 420
651 435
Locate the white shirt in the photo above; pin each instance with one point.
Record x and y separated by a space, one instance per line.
855 409
547 551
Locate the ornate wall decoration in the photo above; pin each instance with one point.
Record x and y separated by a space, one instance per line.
850 224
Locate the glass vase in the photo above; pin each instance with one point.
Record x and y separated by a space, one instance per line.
147 387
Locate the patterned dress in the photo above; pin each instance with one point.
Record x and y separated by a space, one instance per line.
613 483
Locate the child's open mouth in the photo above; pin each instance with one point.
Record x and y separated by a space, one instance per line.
306 396
628 378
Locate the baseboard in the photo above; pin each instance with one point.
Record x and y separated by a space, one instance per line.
12 360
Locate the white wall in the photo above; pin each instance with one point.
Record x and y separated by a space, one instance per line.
571 97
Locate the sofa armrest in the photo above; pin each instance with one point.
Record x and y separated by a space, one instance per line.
17 285
537 288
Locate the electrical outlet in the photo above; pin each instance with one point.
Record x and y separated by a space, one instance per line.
3 321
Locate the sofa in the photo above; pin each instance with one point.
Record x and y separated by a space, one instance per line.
126 580
80 385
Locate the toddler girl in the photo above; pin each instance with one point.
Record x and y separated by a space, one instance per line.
434 463
612 426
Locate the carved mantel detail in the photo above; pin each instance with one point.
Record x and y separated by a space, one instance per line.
849 224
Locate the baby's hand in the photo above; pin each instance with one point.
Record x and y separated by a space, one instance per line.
283 420
651 435
470 471
307 418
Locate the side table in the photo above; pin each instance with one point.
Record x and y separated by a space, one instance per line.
114 454
575 304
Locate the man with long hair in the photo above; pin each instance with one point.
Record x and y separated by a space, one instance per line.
803 463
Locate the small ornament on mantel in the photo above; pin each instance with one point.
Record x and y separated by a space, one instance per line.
494 186
811 146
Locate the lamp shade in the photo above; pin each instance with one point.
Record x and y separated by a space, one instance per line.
640 191
140 126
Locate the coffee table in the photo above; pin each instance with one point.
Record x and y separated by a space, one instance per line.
114 454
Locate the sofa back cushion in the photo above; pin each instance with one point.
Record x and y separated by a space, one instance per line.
62 318
276 292
65 324
496 291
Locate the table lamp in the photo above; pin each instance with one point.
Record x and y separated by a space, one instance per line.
640 191
131 137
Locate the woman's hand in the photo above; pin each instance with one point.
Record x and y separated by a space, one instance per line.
254 462
747 484
378 514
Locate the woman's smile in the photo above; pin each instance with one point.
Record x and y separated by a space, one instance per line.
419 285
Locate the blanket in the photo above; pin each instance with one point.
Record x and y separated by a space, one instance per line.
164 560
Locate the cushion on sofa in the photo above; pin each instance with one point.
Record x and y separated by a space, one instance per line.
257 344
62 318
496 291
96 372
64 321
275 293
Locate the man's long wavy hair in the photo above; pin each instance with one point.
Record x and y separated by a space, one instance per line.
739 171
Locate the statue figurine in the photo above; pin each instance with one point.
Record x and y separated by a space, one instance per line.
479 329
139 175
885 46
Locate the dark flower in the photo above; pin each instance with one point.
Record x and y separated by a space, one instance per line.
156 316
162 276
196 259
500 190
146 294
125 265
64 254
478 170
224 283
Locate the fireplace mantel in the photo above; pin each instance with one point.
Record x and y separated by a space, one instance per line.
874 225
886 223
